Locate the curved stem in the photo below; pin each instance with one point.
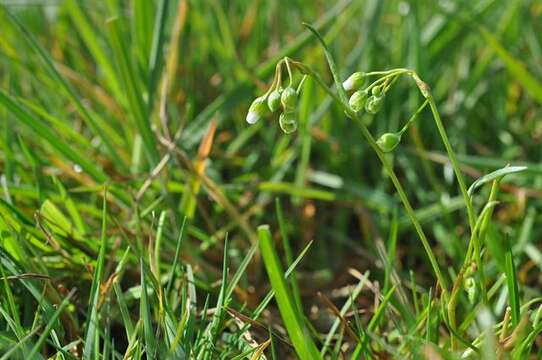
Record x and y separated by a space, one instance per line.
389 170
406 203
286 60
453 161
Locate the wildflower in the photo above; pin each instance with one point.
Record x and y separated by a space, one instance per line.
354 81
374 104
273 100
257 110
388 141
377 90
288 98
357 100
288 121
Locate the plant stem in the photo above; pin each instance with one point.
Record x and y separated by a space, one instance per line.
453 161
406 203
389 170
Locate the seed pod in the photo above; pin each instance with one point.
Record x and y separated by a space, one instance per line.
273 100
288 99
374 104
354 81
470 287
357 100
388 141
376 90
257 110
288 121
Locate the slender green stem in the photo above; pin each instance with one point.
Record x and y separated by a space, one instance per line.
413 117
286 60
481 237
453 161
389 170
406 203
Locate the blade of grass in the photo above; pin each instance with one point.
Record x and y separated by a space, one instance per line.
92 326
70 92
50 137
513 289
50 325
303 344
133 89
145 314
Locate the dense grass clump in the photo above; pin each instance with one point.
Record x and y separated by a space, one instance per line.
186 179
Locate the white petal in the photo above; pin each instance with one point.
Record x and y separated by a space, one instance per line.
348 84
252 117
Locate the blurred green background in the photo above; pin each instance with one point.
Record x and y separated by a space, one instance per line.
96 92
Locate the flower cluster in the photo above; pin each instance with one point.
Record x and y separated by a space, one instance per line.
277 98
370 99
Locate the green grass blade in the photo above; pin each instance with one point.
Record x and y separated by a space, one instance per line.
156 54
70 92
293 320
514 66
132 87
88 34
49 326
145 314
53 139
92 334
513 289
497 174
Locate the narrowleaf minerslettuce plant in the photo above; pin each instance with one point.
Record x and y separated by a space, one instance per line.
370 99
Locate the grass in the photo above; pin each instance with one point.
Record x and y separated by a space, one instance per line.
141 217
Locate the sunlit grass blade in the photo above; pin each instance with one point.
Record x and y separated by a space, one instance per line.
145 314
132 86
68 89
50 324
87 32
48 135
293 320
514 66
513 288
92 334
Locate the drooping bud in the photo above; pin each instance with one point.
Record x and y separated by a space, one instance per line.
273 100
470 287
257 110
288 99
354 81
374 104
357 100
388 141
288 121
376 90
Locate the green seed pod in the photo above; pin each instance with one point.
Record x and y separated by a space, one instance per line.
376 90
257 110
288 122
374 104
470 287
354 81
388 141
357 100
288 98
273 100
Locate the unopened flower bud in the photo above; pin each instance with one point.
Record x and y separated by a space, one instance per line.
288 98
354 81
374 104
257 110
357 100
470 288
388 141
273 100
288 121
376 90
